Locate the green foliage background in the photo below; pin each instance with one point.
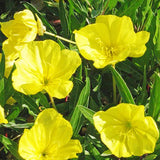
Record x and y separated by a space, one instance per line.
137 80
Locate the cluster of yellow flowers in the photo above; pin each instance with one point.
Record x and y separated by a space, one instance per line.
43 66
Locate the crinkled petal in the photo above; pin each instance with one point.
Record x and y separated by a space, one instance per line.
11 49
138 47
145 133
92 41
125 130
110 40
49 138
69 150
59 88
25 80
22 29
120 28
44 65
67 64
115 140
53 122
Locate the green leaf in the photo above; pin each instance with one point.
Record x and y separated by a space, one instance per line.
63 17
94 152
150 157
88 113
112 4
77 5
157 40
143 95
154 104
14 125
122 87
2 65
11 146
13 113
28 102
2 92
130 8
77 115
42 99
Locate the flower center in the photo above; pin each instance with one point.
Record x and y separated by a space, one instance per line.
45 81
108 51
128 126
43 154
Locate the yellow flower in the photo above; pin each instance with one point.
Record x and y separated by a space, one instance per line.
110 40
2 117
49 139
11 50
44 66
126 131
23 29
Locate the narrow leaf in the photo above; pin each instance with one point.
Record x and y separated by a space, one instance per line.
63 17
122 87
88 113
77 115
11 146
154 107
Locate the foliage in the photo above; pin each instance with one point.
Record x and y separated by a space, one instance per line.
137 79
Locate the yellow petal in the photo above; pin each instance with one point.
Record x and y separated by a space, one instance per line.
110 40
121 28
51 120
40 27
24 15
92 42
28 83
43 66
138 47
2 117
22 29
69 150
50 135
125 130
61 88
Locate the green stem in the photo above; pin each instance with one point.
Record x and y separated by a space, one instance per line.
114 89
59 37
52 102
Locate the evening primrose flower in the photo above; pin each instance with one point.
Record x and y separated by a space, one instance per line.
44 66
49 138
126 131
22 29
2 117
110 40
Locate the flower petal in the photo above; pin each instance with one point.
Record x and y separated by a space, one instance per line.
49 138
138 47
69 150
125 130
59 88
22 29
2 117
91 41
